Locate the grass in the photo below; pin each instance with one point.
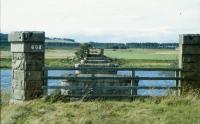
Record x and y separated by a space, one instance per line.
67 62
5 62
125 57
143 54
59 53
53 57
165 110
49 53
140 63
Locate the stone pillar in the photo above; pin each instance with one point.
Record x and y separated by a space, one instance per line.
27 49
189 60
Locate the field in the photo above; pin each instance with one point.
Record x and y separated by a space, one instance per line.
143 54
144 57
125 57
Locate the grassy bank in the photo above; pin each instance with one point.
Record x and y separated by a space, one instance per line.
6 62
69 62
144 63
168 110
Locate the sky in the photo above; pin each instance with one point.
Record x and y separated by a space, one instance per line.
103 20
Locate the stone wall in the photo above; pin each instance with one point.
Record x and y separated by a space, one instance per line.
88 86
93 86
27 64
189 60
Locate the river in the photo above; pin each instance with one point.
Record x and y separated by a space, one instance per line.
6 80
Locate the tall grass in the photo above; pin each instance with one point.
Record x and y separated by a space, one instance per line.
154 110
5 96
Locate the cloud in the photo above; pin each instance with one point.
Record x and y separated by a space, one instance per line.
103 20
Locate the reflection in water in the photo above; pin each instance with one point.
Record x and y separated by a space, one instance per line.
163 83
6 80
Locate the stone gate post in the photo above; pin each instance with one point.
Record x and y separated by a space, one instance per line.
189 60
27 49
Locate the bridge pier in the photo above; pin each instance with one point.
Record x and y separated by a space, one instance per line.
27 49
189 60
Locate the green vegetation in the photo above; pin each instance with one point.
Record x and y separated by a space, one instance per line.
165 110
5 63
50 62
60 53
125 57
143 63
53 57
143 54
67 62
83 51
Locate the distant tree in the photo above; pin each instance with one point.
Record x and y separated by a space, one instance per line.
123 47
115 47
82 51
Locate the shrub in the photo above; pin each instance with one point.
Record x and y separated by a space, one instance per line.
82 51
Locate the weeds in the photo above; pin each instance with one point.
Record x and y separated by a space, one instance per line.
52 110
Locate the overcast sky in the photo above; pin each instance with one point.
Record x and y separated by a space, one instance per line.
104 20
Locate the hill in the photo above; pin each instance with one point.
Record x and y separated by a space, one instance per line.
59 40
3 37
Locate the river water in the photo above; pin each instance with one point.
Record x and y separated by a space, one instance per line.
6 80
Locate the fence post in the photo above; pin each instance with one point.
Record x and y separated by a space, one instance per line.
178 83
133 84
189 60
45 89
27 49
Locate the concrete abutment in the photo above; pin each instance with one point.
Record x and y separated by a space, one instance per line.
27 49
